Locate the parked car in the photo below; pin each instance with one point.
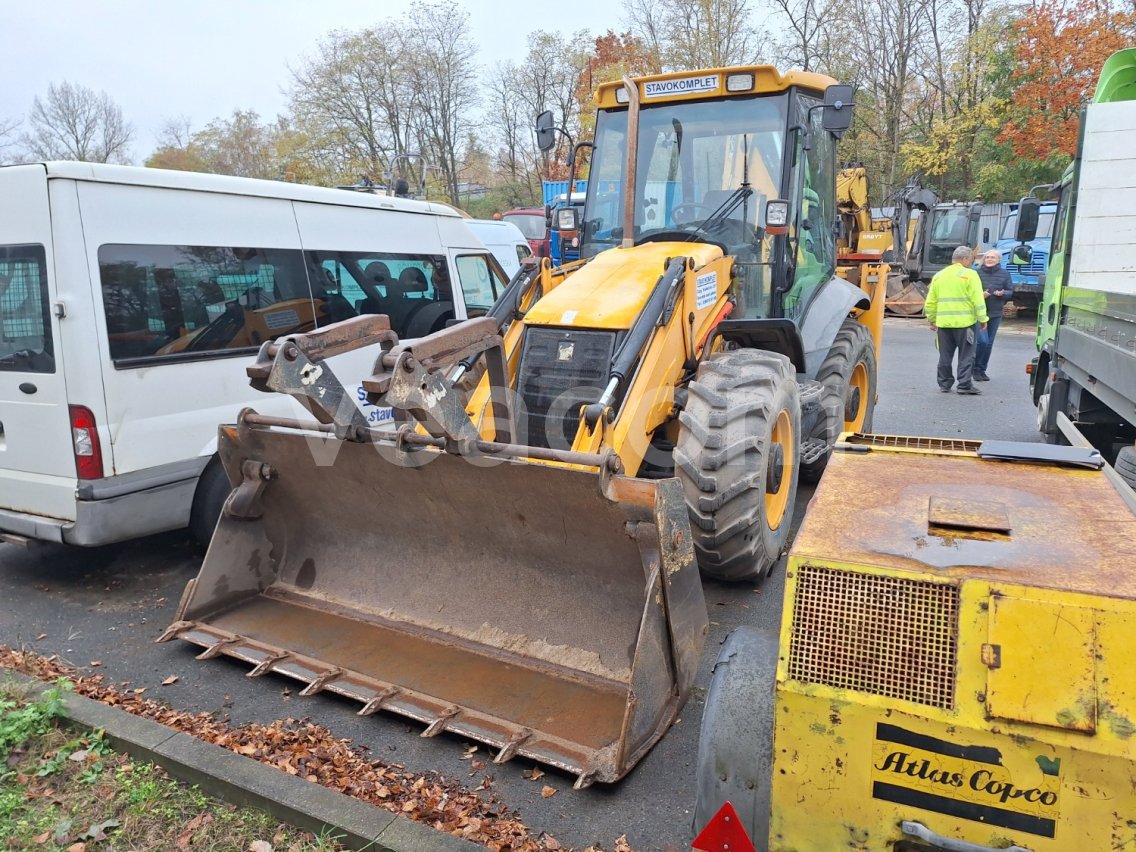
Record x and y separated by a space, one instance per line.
533 222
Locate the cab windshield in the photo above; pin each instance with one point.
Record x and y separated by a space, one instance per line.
703 167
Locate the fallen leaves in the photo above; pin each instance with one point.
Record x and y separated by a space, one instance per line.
260 846
313 753
170 680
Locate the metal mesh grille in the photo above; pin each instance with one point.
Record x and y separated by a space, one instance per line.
903 442
886 636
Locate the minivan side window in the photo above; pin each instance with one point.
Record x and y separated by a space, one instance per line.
25 324
479 284
165 301
414 290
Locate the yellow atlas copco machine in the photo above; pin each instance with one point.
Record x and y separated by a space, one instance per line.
954 668
517 559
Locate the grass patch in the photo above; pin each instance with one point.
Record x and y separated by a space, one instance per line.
59 791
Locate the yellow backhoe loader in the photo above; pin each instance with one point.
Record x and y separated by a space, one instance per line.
517 560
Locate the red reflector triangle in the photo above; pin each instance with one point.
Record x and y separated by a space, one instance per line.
724 833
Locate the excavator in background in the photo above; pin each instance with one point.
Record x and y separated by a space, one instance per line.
516 559
898 234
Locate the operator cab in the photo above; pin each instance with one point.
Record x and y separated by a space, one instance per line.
742 158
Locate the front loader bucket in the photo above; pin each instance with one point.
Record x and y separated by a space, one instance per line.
518 604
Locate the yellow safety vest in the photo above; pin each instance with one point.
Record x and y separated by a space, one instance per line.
955 299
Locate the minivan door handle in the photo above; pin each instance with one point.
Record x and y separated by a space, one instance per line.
28 387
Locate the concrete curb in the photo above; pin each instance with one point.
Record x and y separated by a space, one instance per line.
243 781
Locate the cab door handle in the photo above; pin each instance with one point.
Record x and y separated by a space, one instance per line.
28 387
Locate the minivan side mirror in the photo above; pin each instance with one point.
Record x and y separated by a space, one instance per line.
1029 210
837 116
545 132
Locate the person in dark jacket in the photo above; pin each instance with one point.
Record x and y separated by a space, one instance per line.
998 290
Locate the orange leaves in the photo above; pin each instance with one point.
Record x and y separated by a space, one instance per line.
1060 48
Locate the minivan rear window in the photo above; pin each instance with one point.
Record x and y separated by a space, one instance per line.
166 301
25 324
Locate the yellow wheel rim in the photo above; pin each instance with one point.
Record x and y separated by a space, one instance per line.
856 403
777 497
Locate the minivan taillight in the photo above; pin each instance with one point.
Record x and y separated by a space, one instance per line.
85 436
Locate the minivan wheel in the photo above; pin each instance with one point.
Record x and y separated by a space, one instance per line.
213 489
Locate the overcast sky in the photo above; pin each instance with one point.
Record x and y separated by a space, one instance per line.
205 58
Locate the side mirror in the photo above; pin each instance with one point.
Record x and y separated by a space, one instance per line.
567 219
1021 255
545 133
1029 210
837 116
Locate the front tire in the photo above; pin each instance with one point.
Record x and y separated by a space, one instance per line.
848 376
737 456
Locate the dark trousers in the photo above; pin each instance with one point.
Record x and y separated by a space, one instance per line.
985 344
963 340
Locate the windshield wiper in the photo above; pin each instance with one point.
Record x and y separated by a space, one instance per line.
724 210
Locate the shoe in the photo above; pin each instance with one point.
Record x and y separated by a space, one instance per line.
969 390
944 390
981 377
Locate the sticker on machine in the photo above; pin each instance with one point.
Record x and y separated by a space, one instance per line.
682 86
706 290
965 781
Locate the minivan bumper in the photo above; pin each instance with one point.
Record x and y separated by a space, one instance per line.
118 508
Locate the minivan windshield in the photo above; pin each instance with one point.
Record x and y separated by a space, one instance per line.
693 160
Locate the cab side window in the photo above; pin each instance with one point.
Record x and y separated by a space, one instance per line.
813 236
25 324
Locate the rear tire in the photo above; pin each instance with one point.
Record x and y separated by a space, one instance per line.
735 741
848 376
1126 465
737 454
213 489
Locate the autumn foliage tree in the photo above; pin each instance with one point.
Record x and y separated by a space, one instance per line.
1060 47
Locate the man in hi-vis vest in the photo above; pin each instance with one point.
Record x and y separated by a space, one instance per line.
956 308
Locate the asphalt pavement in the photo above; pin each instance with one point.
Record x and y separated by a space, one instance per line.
109 604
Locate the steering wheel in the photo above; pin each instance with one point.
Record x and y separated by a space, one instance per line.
690 207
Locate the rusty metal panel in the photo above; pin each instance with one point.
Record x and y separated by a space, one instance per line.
1046 663
1071 531
968 515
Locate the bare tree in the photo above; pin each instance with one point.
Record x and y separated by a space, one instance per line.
8 139
76 123
696 33
353 101
809 26
442 79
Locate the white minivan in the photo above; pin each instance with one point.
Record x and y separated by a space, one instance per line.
131 301
504 240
